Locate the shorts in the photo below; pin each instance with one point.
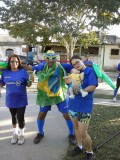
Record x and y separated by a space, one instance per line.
62 107
82 117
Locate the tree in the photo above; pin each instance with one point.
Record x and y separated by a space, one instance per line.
83 16
24 19
39 21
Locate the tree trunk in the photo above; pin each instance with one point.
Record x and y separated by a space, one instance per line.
70 46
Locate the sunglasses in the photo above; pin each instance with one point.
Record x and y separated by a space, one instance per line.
51 58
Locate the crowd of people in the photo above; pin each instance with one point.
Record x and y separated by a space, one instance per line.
51 88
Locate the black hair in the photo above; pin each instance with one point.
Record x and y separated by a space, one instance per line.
74 57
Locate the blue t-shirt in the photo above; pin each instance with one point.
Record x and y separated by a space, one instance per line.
84 104
88 62
66 66
16 83
30 55
118 69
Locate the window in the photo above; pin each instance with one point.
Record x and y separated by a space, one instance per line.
114 52
91 50
9 52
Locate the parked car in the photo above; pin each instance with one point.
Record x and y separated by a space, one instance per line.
26 61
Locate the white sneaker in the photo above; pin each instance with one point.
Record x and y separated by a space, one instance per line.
84 94
21 139
72 96
14 139
114 99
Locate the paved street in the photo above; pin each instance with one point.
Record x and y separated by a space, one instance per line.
52 147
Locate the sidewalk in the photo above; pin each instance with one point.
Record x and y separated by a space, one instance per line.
104 89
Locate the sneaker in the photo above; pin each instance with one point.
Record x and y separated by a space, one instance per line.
72 96
14 139
89 156
114 99
84 94
76 151
38 138
21 140
72 139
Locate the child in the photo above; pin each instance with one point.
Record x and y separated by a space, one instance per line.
75 74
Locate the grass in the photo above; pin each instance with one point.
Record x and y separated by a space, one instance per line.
105 123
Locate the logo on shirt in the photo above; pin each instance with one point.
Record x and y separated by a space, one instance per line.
18 83
7 77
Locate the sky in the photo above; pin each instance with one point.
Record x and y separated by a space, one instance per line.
3 31
114 30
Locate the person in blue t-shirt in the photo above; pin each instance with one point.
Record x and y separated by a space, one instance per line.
51 92
117 83
31 55
1 59
16 79
80 108
87 60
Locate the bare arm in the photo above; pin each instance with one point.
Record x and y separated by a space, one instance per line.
90 88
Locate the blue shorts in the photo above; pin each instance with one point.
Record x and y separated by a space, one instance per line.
62 107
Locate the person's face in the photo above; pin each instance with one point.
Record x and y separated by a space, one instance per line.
14 63
77 64
87 58
50 61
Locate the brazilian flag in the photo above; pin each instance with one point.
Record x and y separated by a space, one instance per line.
3 65
51 85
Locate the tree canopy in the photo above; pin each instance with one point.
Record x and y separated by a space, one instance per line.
40 21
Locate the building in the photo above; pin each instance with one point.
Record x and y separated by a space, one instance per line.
9 45
107 55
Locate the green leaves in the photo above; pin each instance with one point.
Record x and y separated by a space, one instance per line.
38 21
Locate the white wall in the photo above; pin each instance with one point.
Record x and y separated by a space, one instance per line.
111 60
16 49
